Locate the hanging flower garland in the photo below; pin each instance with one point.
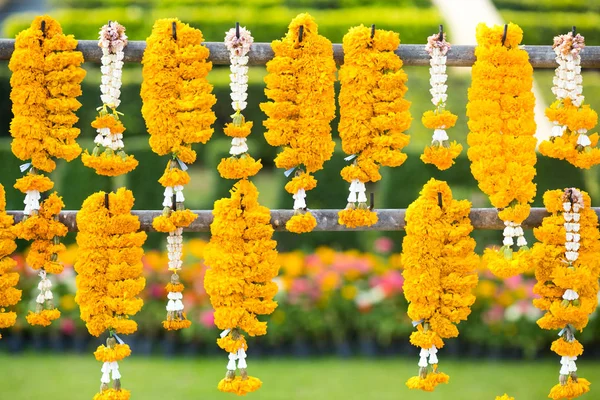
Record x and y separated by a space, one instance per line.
243 261
177 108
44 68
501 141
9 294
567 265
441 152
439 271
300 85
108 157
571 118
109 279
373 115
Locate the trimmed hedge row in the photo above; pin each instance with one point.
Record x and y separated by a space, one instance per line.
413 24
549 5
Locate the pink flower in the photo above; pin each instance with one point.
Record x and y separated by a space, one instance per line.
493 315
514 282
156 290
207 318
67 326
384 245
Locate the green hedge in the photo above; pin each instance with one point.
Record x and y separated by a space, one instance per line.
549 5
541 27
413 24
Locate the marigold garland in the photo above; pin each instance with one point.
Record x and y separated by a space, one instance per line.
9 294
242 262
108 157
441 152
373 115
501 141
571 118
300 85
177 108
439 271
109 278
567 265
46 68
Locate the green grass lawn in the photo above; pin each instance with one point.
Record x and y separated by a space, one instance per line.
77 377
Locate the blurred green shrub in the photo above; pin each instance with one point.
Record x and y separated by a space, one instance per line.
549 5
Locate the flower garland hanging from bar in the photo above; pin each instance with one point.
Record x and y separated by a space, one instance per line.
300 85
108 157
46 79
440 272
177 108
243 261
571 117
441 152
501 141
9 294
567 265
109 279
373 115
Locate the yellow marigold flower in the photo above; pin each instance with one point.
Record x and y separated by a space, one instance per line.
440 272
109 165
572 389
301 181
42 318
31 181
42 129
174 176
504 397
117 353
239 168
177 324
357 217
301 223
231 345
113 394
239 385
440 156
568 349
9 295
240 131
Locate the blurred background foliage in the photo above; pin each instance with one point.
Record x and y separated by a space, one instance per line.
327 305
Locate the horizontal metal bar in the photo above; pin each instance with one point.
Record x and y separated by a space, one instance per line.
389 219
411 54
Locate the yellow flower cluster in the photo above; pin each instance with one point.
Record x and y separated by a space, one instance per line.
373 112
439 271
557 273
109 267
45 81
242 262
566 147
300 85
442 155
9 295
110 354
177 98
501 128
108 162
504 397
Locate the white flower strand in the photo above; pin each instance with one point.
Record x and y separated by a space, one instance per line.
32 202
44 286
168 195
112 41
568 365
438 78
175 249
357 192
430 353
511 231
240 357
571 217
108 369
299 199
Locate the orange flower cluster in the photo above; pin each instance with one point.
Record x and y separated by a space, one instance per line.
300 85
502 145
440 272
373 114
9 295
567 265
243 261
45 81
109 268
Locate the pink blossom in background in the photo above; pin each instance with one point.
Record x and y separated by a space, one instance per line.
207 318
514 282
156 290
392 282
67 326
384 245
493 315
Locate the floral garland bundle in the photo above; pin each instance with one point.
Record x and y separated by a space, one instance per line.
567 264
240 165
373 115
243 261
502 145
571 118
108 157
45 81
439 271
441 152
177 102
109 278
9 295
300 85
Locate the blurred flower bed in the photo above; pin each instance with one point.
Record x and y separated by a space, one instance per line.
330 302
